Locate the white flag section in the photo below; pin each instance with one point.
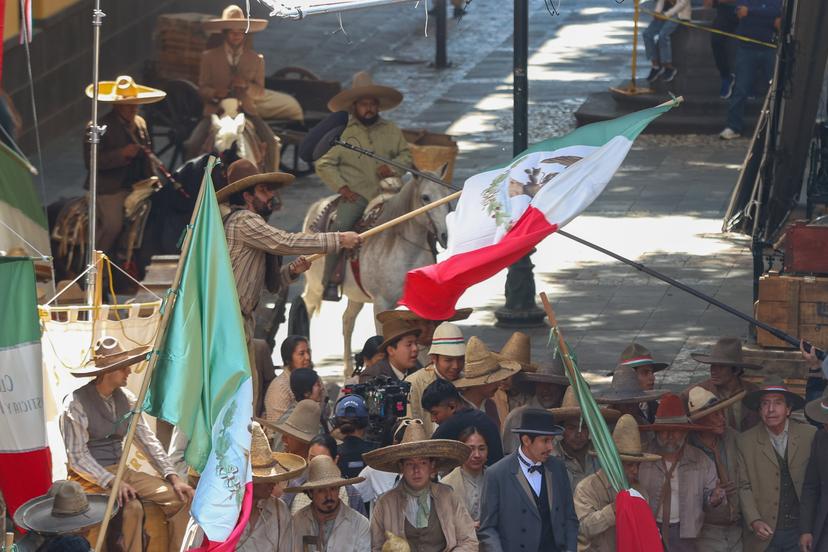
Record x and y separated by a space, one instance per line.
299 9
68 339
21 407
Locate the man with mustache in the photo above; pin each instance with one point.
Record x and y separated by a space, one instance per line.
327 523
683 485
353 176
256 248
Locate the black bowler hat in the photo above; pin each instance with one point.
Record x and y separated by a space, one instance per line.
537 421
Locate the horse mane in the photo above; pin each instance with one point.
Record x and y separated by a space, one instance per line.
399 203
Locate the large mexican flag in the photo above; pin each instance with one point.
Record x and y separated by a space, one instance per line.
20 206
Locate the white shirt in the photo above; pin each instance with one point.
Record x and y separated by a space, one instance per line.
400 375
533 478
779 442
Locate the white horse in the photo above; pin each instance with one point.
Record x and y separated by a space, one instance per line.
232 128
384 259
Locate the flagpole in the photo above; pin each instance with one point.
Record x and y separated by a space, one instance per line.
400 219
157 346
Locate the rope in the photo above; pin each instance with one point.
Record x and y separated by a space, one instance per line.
658 15
13 231
24 28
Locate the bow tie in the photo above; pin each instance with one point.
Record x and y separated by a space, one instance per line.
532 468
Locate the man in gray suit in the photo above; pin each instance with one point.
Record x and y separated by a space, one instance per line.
526 499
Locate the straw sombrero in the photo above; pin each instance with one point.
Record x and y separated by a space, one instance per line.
571 409
302 423
269 466
726 351
671 416
483 366
415 444
773 384
64 510
626 389
701 402
405 314
323 473
363 86
627 441
635 355
124 90
109 356
519 349
243 174
232 18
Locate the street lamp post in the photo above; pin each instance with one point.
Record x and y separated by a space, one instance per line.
520 310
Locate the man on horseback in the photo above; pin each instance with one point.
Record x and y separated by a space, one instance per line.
123 150
353 176
256 248
233 71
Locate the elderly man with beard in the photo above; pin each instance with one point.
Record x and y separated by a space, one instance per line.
327 523
353 176
772 460
256 248
447 354
684 484
722 530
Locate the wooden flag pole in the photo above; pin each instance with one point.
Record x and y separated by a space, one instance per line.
158 345
550 314
400 219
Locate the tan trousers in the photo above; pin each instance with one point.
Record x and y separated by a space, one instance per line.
278 105
720 538
110 216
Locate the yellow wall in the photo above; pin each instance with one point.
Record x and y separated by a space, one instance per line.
41 9
11 25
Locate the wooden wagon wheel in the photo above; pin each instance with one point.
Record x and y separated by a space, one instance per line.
300 73
173 119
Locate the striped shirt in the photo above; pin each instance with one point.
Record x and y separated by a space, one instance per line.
250 238
278 398
73 426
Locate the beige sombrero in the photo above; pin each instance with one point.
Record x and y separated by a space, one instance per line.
363 86
726 351
109 356
571 409
124 90
701 402
627 441
483 366
405 314
323 473
243 174
519 349
64 510
302 423
269 466
447 453
232 18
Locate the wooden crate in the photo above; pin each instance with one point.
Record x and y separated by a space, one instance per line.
179 41
805 247
797 305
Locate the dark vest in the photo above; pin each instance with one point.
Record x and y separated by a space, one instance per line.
429 538
547 540
788 515
105 435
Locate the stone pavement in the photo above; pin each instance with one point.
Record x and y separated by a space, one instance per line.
663 208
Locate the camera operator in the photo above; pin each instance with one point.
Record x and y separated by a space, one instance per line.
351 419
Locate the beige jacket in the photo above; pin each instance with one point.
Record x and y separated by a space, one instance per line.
595 507
351 531
458 527
216 74
470 495
419 380
696 477
759 475
272 532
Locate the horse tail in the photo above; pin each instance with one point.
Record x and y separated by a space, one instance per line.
312 295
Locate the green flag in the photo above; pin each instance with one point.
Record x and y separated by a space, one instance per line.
203 363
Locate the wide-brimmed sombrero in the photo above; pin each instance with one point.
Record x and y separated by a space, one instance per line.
415 443
701 402
726 351
233 19
817 409
519 348
363 86
626 389
269 466
302 423
671 416
635 355
483 366
64 510
109 356
405 314
570 408
124 90
627 441
243 174
323 473
773 384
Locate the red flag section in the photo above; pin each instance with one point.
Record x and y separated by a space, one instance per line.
635 527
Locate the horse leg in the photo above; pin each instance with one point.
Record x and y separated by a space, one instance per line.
348 322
